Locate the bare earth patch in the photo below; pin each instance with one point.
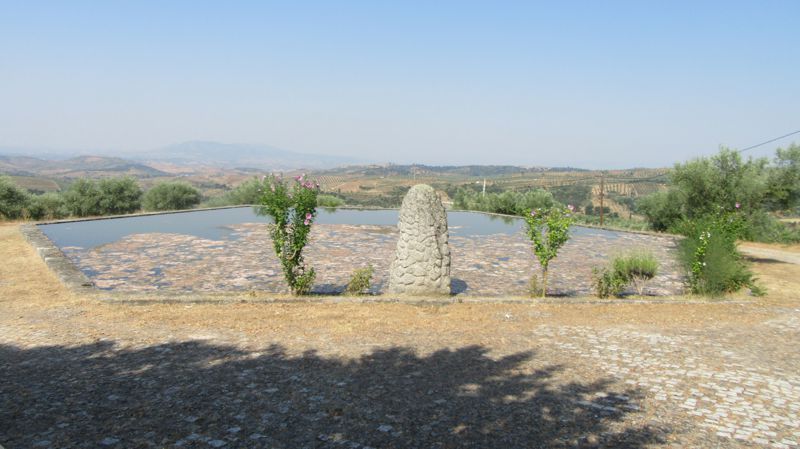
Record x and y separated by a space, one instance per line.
78 372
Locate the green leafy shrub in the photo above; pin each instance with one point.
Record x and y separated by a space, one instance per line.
784 179
329 201
171 196
662 209
707 186
112 196
82 198
119 196
548 231
47 206
292 206
13 199
607 282
510 203
711 257
248 192
360 281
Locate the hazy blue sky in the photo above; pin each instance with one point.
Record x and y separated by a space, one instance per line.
589 84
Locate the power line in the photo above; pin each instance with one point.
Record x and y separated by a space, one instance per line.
573 181
768 141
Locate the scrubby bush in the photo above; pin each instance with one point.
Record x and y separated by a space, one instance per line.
549 231
662 209
705 187
171 196
292 206
82 198
607 282
246 193
534 286
119 196
47 206
784 179
112 196
511 203
329 201
360 281
710 255
13 200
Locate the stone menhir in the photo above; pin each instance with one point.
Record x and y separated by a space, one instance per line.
421 263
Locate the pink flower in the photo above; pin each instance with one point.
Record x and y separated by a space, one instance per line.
738 205
308 216
306 222
298 178
570 207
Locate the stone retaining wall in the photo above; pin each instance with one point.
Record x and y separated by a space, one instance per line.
58 263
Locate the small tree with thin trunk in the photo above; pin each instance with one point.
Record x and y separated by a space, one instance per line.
549 231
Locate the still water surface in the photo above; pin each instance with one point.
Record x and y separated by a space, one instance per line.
215 224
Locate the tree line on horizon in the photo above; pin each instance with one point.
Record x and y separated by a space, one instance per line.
91 198
761 187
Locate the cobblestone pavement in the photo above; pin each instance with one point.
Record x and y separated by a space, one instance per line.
80 373
492 265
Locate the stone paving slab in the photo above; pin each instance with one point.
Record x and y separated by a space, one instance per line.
489 265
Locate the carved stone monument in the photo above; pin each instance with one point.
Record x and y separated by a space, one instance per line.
421 264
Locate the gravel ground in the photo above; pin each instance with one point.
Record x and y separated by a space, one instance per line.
80 373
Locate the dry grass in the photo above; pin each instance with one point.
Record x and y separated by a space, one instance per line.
793 248
24 279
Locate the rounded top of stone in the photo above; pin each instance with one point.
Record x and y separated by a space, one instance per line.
420 191
420 187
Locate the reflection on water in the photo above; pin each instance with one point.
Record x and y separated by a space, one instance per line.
215 224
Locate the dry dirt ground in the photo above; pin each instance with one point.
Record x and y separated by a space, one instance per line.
78 372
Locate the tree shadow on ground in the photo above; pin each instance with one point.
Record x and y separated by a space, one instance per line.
194 394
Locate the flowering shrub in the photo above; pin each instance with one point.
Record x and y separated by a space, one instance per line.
549 231
292 206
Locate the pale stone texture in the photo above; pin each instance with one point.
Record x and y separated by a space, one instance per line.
421 264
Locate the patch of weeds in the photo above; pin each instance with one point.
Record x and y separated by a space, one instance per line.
534 287
360 281
607 282
635 268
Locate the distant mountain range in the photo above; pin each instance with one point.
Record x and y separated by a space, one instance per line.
80 166
230 155
198 153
